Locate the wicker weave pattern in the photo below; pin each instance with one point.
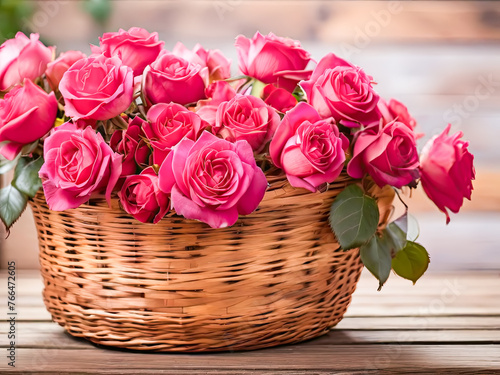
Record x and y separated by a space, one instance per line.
276 277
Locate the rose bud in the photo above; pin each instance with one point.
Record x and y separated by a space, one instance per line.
395 110
57 68
213 180
22 57
167 125
83 91
447 171
246 117
78 164
387 153
310 150
136 47
27 113
141 197
279 99
343 91
273 59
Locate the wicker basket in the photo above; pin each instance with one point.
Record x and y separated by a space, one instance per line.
275 277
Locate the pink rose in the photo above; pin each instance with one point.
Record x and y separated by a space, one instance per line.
219 67
279 99
173 79
248 118
447 171
22 57
131 145
217 92
387 153
57 68
136 47
97 87
272 59
343 91
142 198
78 163
395 110
26 114
168 125
311 151
213 180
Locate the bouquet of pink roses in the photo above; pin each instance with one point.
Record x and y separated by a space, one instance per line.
172 131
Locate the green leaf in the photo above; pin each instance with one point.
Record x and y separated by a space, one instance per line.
26 178
257 88
12 204
395 237
411 262
6 164
354 217
376 256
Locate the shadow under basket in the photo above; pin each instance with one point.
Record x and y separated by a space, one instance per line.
276 277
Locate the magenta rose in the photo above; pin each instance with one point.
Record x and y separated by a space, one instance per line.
27 113
130 143
213 180
273 59
97 88
343 91
310 150
22 57
217 92
248 118
168 125
219 67
142 198
78 163
447 171
387 153
279 99
395 110
57 68
136 47
173 79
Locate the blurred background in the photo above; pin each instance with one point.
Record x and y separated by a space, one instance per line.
441 58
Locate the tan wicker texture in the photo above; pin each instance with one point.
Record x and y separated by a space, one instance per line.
276 277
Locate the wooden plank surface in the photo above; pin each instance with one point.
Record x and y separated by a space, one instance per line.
448 323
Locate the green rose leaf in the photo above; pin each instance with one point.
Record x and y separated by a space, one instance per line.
395 238
354 217
6 164
376 256
26 178
12 204
411 262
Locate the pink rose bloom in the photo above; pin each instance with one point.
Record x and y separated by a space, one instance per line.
219 67
136 47
447 171
78 164
279 99
248 118
57 68
213 180
27 113
343 91
97 88
273 59
131 145
310 150
387 153
217 92
395 110
22 57
173 79
142 198
168 125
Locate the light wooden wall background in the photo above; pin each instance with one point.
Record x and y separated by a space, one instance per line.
432 55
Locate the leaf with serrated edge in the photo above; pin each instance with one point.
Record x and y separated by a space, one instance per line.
411 262
12 205
26 177
377 259
6 164
354 217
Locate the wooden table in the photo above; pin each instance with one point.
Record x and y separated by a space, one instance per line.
447 323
